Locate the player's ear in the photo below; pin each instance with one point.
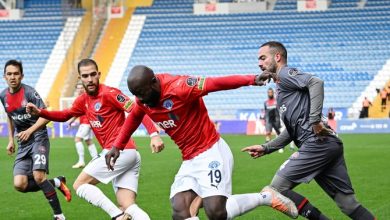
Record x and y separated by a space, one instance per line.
278 57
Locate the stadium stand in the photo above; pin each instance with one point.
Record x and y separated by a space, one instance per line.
32 39
344 45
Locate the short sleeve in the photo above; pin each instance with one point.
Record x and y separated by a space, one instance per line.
294 79
120 100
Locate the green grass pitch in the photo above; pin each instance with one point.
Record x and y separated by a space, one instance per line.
367 156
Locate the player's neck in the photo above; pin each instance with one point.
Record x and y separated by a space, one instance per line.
14 90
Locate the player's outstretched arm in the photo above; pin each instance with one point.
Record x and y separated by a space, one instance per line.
61 116
213 84
255 151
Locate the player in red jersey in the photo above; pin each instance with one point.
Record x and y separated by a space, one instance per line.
105 109
175 103
84 132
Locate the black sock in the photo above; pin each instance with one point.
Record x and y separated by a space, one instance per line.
32 186
305 208
51 195
361 213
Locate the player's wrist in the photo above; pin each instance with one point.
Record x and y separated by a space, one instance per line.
154 134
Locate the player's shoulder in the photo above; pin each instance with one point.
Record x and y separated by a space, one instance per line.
30 91
110 89
3 92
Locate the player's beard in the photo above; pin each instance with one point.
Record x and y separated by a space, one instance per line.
153 99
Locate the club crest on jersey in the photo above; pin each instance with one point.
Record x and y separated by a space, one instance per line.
24 103
292 72
42 149
97 106
36 95
191 81
282 108
214 164
168 104
120 98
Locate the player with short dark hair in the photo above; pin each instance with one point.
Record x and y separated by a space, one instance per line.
32 160
175 103
105 108
272 119
320 155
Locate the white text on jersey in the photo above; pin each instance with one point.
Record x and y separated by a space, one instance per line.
166 124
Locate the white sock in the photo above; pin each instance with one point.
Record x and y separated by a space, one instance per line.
137 213
60 216
80 151
96 197
239 204
193 218
92 150
57 182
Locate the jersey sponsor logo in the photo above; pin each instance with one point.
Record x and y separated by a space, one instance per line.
128 104
120 98
282 108
21 117
201 83
36 95
97 106
214 164
167 124
191 81
95 124
292 72
168 104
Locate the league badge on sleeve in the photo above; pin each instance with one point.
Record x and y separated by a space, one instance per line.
292 72
36 95
191 81
168 104
120 98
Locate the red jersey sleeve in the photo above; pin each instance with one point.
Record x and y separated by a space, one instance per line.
194 87
149 124
120 100
132 122
76 110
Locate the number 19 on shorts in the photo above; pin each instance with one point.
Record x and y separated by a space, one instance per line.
215 177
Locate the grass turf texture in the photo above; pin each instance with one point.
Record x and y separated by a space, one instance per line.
367 156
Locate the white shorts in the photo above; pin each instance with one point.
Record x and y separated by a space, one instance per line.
208 174
125 173
84 131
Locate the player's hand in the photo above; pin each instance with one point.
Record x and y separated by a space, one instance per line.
111 157
156 144
264 78
32 109
10 148
24 135
255 151
320 129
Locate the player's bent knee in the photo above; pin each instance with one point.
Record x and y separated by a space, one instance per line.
20 187
346 202
216 214
39 176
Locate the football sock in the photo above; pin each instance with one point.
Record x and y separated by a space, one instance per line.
193 218
32 186
137 213
96 197
361 213
80 151
51 196
305 208
239 204
92 150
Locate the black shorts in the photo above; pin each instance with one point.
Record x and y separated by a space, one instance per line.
322 161
32 157
269 124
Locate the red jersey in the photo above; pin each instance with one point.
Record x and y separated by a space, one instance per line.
105 113
181 111
84 120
